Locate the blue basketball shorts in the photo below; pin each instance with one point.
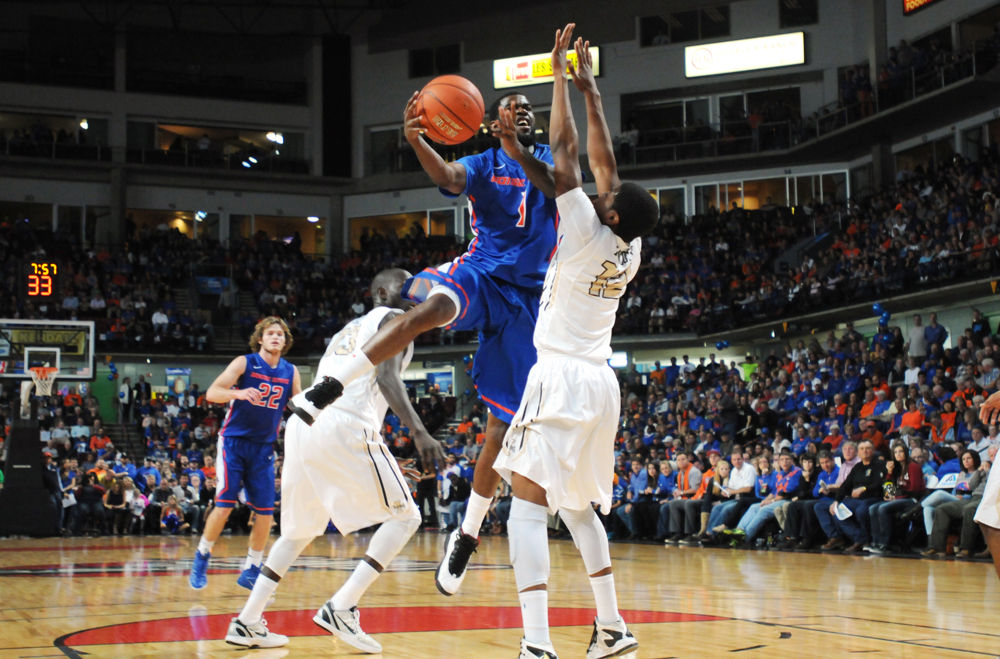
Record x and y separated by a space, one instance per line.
247 464
503 314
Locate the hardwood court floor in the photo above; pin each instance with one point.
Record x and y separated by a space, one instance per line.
129 597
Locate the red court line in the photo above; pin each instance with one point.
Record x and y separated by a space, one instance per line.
375 620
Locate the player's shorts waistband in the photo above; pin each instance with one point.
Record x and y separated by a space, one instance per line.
554 357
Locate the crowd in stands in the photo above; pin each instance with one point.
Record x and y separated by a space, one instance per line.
841 444
721 270
716 271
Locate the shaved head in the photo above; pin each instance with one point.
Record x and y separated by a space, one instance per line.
387 287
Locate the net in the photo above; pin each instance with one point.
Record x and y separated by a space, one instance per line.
43 377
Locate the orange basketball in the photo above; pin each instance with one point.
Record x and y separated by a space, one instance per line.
452 107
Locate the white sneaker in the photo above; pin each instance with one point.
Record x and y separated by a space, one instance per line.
452 568
346 625
610 640
536 650
253 636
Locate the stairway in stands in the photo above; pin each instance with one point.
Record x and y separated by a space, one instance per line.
126 437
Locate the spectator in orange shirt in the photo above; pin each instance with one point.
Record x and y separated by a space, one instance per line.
868 409
913 417
72 398
209 468
834 438
100 442
871 433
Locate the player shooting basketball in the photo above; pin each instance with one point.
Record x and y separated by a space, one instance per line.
493 288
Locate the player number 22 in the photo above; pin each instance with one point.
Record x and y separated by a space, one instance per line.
270 395
609 284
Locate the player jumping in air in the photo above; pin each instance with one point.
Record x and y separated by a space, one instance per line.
558 454
257 387
493 288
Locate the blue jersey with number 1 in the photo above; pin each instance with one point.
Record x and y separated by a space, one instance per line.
514 223
259 422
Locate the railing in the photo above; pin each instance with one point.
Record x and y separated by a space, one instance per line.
213 159
55 150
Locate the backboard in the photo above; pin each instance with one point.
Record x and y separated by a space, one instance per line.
65 344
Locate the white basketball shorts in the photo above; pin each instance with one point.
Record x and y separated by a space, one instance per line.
562 436
339 469
988 512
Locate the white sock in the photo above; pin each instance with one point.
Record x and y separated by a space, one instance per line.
605 598
351 367
350 593
253 558
283 553
252 611
204 546
475 512
535 615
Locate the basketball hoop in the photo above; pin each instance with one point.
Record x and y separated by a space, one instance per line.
43 377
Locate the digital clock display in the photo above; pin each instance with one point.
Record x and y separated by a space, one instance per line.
39 278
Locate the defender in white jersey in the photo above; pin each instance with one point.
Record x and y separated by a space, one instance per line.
558 453
339 468
988 512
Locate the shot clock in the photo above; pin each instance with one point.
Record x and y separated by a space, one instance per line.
39 280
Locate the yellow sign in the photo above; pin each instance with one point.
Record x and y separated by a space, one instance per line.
69 341
533 69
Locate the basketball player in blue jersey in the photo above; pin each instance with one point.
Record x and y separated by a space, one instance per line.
257 387
493 288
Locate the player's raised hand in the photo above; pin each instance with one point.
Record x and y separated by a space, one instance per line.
429 449
564 38
413 123
583 72
990 411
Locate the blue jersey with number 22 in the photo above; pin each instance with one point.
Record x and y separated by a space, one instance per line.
259 422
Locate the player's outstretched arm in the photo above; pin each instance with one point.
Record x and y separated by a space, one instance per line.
450 176
390 383
564 140
221 391
541 174
600 149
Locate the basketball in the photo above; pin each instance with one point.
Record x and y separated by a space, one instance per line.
452 107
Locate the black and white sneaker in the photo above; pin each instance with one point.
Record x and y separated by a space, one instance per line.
309 403
610 640
253 636
536 651
451 570
346 625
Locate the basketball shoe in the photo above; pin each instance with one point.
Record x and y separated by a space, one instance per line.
451 570
346 625
309 403
537 651
610 640
253 636
249 577
199 568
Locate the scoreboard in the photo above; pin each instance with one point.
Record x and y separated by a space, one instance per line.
38 280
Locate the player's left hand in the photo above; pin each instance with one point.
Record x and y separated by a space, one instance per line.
990 411
429 449
504 130
583 72
563 39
